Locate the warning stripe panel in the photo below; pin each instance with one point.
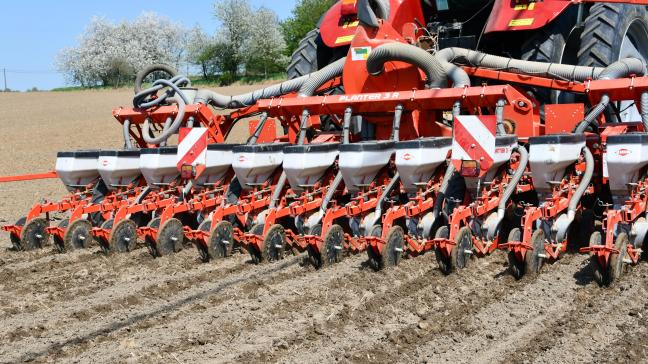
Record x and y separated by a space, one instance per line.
192 148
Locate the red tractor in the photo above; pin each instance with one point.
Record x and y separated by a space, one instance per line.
585 32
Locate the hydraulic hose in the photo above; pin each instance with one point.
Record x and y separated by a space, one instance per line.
644 110
141 75
510 190
562 225
398 114
582 186
499 116
433 68
622 68
255 136
370 11
319 78
348 114
126 130
594 113
168 129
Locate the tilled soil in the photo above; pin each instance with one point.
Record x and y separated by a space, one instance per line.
86 307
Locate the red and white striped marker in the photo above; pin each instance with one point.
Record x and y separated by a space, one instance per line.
474 140
192 149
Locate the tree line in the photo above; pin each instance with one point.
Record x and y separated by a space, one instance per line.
249 41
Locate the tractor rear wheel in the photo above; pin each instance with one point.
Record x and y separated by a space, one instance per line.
551 44
612 32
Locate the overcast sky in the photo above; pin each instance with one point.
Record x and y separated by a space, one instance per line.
33 31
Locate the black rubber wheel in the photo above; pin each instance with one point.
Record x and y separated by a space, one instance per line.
516 266
33 235
552 44
616 260
255 254
221 240
445 265
463 244
150 243
393 249
597 269
103 243
274 244
15 239
170 238
304 59
123 238
59 243
78 235
374 258
533 260
611 32
332 250
203 250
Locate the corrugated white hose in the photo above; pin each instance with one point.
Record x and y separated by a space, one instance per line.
644 110
463 56
564 224
510 190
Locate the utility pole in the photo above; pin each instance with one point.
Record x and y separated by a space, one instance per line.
4 73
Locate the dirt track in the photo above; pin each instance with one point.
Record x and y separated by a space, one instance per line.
86 307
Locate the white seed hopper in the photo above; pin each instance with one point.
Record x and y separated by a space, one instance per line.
417 160
626 157
77 169
254 164
119 168
218 162
159 165
361 162
550 155
304 165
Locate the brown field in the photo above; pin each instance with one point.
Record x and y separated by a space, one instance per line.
86 307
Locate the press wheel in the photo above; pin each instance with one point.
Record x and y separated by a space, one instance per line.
15 239
123 238
255 254
78 235
516 266
374 258
274 244
105 246
170 237
203 250
393 250
332 247
221 240
460 255
33 235
442 259
533 260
